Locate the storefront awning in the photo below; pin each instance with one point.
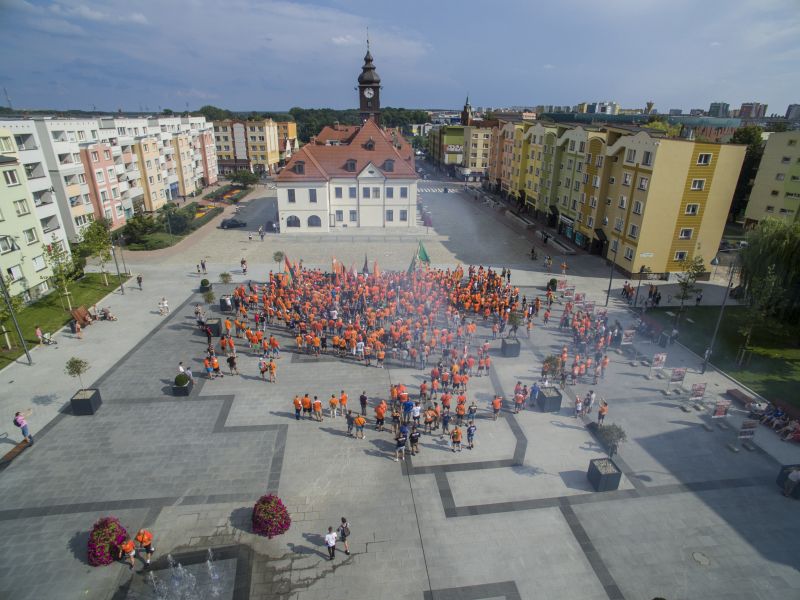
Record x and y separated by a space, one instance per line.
566 220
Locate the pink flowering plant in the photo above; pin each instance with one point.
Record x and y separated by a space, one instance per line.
106 536
270 517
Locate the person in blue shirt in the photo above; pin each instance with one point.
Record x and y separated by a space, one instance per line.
471 435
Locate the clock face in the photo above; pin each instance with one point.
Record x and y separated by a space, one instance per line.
369 93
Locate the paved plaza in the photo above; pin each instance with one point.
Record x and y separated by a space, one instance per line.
514 518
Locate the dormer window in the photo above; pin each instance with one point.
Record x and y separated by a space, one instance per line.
300 167
388 166
370 145
350 165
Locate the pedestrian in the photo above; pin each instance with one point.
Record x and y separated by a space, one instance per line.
446 422
363 400
334 404
602 411
232 364
344 532
139 281
359 422
455 436
330 542
380 416
400 445
127 551
272 368
350 422
188 371
203 265
306 401
317 404
497 404
19 421
589 402
145 539
78 330
578 406
413 439
262 367
298 407
471 435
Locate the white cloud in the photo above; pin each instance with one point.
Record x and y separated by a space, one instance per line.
83 11
548 67
715 44
345 40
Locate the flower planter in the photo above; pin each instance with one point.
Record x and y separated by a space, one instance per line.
182 390
510 347
549 400
604 474
215 325
86 402
270 517
783 474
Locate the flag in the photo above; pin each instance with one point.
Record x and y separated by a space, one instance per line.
422 255
289 269
365 269
353 269
334 268
375 271
413 265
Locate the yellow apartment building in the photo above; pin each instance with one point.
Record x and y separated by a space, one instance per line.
150 166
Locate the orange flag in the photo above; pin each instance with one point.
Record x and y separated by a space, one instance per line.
375 271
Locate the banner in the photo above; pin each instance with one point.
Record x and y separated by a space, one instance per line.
748 430
721 409
580 298
627 336
678 375
569 292
561 284
659 360
589 307
698 391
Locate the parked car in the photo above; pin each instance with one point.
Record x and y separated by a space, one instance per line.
232 223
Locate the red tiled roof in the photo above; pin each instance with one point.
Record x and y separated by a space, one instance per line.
325 162
337 133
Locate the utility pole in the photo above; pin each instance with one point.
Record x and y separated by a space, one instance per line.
119 276
120 241
611 274
710 349
7 298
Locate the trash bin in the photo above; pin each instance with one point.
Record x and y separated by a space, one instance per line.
73 326
663 339
445 190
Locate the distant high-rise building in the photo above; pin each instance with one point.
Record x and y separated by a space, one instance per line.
696 112
752 110
674 112
793 112
719 109
603 108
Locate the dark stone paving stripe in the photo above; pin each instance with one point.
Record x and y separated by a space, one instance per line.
592 555
503 589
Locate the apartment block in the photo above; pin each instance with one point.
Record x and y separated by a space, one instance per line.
477 142
776 189
22 238
247 145
446 146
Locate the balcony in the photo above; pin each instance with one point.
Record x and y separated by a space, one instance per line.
169 149
43 198
50 224
120 168
116 150
124 186
135 192
134 173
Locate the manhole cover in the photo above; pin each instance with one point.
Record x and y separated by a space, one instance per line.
701 559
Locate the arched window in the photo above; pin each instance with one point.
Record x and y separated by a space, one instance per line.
292 221
314 221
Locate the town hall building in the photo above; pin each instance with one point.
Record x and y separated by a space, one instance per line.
351 176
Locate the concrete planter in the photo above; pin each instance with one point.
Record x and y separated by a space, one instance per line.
182 390
604 474
549 400
510 347
782 476
86 402
215 325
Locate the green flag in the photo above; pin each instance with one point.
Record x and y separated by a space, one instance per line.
423 255
413 265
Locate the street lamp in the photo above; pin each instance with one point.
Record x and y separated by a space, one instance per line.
613 264
642 270
710 349
7 298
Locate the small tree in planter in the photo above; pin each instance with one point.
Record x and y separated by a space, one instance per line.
225 277
514 321
552 284
106 536
611 436
551 366
209 297
205 284
278 258
182 385
270 517
84 401
76 367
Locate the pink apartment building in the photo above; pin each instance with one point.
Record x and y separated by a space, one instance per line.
105 188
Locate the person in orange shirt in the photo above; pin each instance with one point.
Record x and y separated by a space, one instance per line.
334 404
306 401
145 539
455 436
380 416
461 410
381 357
497 404
209 369
223 344
317 405
127 549
215 366
359 422
298 406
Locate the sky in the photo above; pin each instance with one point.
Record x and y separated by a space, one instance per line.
273 55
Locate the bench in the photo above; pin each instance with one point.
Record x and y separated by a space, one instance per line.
745 400
13 453
740 397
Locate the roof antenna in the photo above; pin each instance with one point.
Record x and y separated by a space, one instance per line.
367 38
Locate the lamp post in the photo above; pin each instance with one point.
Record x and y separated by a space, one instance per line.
7 298
119 276
710 349
642 270
120 242
611 273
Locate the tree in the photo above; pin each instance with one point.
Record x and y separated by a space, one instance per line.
76 367
278 258
612 436
514 320
244 178
765 298
212 113
691 268
209 297
661 123
62 267
225 277
96 241
751 137
138 226
17 303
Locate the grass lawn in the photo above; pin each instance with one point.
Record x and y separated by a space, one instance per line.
773 369
51 315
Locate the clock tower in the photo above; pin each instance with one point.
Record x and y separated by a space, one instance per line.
369 91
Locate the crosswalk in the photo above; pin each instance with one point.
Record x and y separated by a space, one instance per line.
438 190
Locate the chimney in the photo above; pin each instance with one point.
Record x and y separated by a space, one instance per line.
336 125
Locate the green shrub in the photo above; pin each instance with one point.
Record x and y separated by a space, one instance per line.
225 277
552 284
204 283
181 380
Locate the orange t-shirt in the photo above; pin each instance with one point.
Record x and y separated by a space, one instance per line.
497 403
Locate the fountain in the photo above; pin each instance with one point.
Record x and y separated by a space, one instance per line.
197 579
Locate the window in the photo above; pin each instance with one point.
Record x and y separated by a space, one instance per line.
81 136
376 192
104 195
628 253
388 166
680 255
774 193
11 177
389 193
21 207
110 175
582 147
703 159
300 167
95 157
599 161
572 146
291 198
596 181
150 179
5 144
81 178
15 272
339 216
350 165
115 192
686 233
623 202
404 192
698 184
312 197
626 179
618 223
390 215
353 216
647 158
337 192
106 154
38 262
608 201
611 180
614 246
770 208
643 181
633 231
692 209
593 202
637 207
6 244
786 160
780 177
365 192
404 215
293 221
353 192
590 222
314 221
630 155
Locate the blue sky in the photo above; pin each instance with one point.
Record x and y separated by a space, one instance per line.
272 55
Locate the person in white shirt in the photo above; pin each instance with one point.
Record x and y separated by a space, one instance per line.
330 542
